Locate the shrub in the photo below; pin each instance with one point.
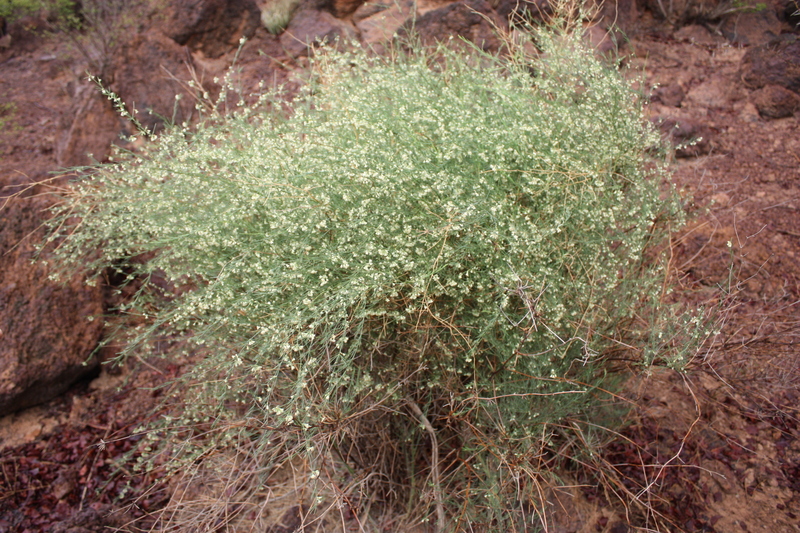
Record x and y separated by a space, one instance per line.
97 28
14 9
400 284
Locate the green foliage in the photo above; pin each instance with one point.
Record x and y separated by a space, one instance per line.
428 253
14 9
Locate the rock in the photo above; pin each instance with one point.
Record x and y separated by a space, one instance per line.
26 33
774 101
379 21
602 41
776 63
750 29
213 27
253 72
717 92
88 129
689 136
310 27
747 112
696 34
621 14
46 339
344 8
521 11
467 19
146 74
142 74
669 95
680 12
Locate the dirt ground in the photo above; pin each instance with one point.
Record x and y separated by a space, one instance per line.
713 450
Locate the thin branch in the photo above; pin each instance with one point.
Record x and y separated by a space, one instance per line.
441 519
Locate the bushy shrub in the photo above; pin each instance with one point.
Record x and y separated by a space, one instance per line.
412 274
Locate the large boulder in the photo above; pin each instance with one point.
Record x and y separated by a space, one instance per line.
773 72
776 63
149 71
751 28
212 27
774 101
46 337
311 27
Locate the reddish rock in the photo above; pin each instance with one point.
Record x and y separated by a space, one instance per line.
97 517
145 73
697 34
311 27
683 11
774 101
669 95
213 27
344 8
751 29
378 21
26 33
522 10
88 129
622 14
142 75
777 63
467 19
689 137
46 339
603 40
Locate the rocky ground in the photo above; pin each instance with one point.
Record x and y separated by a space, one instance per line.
714 450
